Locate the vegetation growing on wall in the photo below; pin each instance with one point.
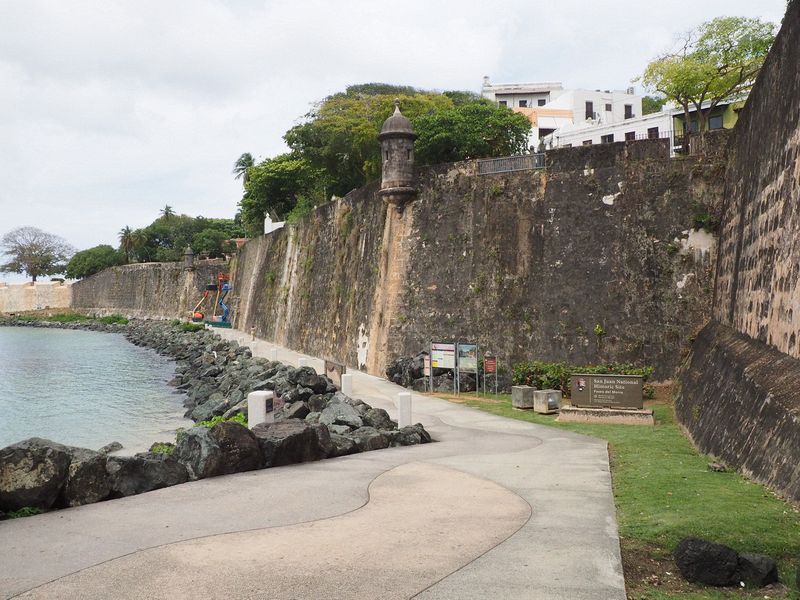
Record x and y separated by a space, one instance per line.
335 149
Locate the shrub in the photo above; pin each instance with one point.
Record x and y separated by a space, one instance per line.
25 511
68 318
163 448
113 320
241 419
191 327
556 376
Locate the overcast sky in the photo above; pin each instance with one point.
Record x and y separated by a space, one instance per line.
111 110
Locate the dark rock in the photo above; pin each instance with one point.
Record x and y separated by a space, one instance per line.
339 429
32 473
406 369
109 448
701 561
317 383
340 413
323 438
226 448
318 402
757 570
298 410
369 438
342 446
378 418
238 409
87 479
288 442
423 434
239 447
407 436
312 417
143 472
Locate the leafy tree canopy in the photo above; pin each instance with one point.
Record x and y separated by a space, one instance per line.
716 62
335 149
91 261
470 130
652 104
274 187
166 238
34 252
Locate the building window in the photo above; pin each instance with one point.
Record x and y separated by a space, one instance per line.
503 103
567 146
715 122
693 126
629 111
630 136
607 139
408 154
541 102
587 142
608 108
387 155
590 110
652 133
523 104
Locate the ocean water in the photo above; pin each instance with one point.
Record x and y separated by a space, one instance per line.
85 388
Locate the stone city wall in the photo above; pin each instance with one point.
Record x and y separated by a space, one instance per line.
147 290
738 395
526 264
22 297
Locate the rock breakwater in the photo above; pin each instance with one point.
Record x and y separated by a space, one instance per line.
313 421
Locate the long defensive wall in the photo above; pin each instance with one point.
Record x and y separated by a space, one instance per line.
740 389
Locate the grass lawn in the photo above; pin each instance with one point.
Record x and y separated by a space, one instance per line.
664 491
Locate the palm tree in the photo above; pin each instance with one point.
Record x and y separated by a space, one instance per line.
242 165
167 212
126 242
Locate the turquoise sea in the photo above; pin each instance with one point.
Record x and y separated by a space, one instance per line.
85 388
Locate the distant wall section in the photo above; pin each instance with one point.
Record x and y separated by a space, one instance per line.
21 297
147 290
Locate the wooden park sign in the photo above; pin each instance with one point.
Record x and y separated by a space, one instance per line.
607 391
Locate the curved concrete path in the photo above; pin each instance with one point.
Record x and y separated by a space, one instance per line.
496 508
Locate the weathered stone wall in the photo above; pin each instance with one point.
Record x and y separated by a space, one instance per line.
739 400
21 297
147 290
526 264
758 283
739 396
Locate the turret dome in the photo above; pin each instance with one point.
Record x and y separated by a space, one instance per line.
397 125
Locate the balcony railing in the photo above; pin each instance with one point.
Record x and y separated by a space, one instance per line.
507 164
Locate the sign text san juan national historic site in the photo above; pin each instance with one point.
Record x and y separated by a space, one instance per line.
607 391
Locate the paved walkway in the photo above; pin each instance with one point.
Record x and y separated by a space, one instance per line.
496 508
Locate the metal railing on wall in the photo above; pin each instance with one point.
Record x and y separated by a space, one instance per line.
524 162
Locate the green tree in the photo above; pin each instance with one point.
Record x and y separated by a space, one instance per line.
471 130
212 241
241 167
91 261
274 187
167 212
652 104
339 137
716 62
34 252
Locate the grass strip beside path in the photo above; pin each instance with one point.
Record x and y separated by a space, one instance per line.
664 492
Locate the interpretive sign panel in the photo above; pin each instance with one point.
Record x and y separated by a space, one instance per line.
426 366
489 364
607 391
443 356
468 358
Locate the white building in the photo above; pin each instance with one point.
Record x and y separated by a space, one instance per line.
550 107
655 125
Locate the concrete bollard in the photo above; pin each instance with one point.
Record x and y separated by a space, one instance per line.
259 408
347 384
404 409
302 362
273 354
